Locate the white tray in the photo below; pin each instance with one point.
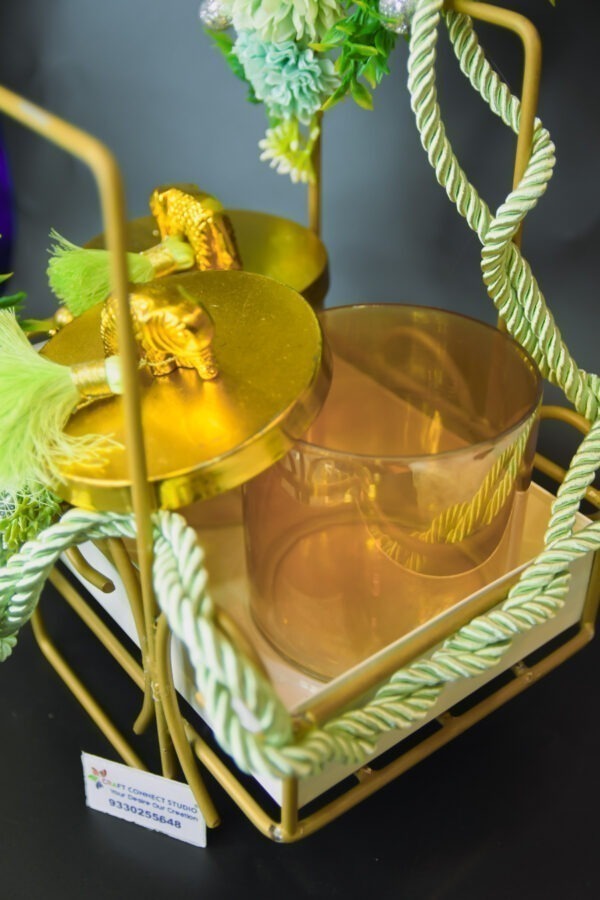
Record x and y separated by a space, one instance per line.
228 585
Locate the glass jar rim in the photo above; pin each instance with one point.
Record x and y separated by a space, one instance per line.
313 447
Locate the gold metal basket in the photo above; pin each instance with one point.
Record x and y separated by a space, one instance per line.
180 741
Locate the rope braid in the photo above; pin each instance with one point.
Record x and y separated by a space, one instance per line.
225 678
228 681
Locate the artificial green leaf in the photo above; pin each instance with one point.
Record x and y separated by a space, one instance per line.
337 95
221 39
15 301
344 28
236 66
369 73
361 95
37 326
336 34
321 47
365 50
381 42
23 516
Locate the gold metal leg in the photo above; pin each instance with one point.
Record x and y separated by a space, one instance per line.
230 783
129 577
106 637
114 646
289 809
176 726
315 191
152 704
81 693
83 568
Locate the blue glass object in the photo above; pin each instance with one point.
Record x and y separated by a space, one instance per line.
7 218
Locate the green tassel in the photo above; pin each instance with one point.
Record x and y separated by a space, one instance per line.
37 397
80 278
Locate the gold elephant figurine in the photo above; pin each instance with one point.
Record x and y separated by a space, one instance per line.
172 330
184 211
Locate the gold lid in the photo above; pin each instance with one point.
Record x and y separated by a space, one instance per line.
205 437
268 245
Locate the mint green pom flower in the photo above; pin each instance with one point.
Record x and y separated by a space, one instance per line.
284 20
293 83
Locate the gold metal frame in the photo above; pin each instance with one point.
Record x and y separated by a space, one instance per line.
177 739
191 748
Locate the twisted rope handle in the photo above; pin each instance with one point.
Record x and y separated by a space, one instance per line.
507 275
511 284
231 687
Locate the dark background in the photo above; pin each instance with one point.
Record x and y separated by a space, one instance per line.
509 809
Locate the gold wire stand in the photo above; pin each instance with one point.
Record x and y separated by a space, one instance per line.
191 748
178 741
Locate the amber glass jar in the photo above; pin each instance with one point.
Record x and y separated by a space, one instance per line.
397 503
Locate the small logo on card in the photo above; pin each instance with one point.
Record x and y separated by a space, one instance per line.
99 777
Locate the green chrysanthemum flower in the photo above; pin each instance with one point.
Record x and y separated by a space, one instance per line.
289 152
284 20
293 83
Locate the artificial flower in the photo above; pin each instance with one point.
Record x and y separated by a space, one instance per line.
289 152
292 82
284 20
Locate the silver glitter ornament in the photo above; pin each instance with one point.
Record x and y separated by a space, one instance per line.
213 15
398 14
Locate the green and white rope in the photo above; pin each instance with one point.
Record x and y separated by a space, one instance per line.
517 296
248 718
228 682
508 276
24 575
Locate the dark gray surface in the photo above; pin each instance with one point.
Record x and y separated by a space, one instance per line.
508 810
